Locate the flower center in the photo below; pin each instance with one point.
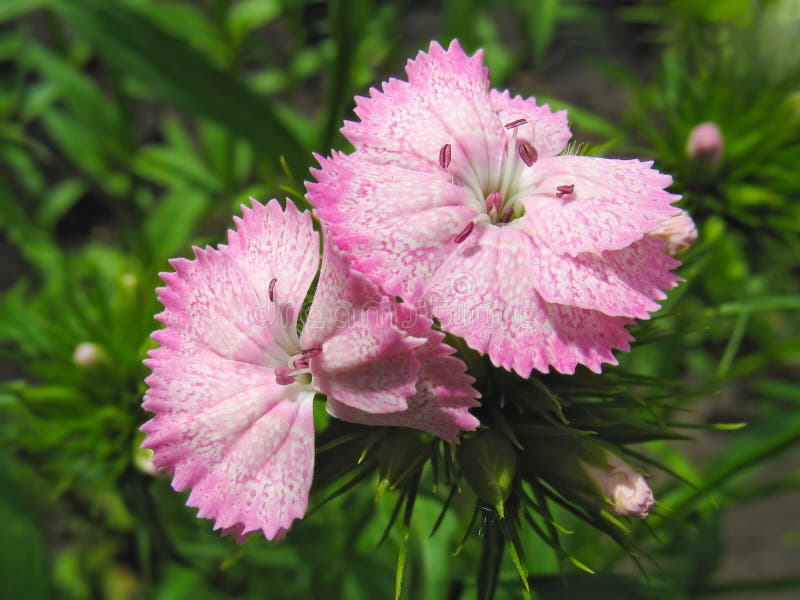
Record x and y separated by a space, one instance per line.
298 365
290 362
498 192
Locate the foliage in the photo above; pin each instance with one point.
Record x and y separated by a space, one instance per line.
131 130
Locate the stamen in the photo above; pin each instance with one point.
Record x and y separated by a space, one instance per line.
311 352
444 156
527 153
564 190
515 124
494 201
508 214
272 289
284 375
300 363
465 233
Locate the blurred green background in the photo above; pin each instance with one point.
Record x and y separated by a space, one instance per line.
130 130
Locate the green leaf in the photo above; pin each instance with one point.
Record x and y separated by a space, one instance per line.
58 201
12 9
172 223
765 303
401 564
180 75
247 15
100 119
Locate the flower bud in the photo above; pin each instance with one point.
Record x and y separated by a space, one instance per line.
624 488
679 232
585 472
87 354
489 463
705 144
398 453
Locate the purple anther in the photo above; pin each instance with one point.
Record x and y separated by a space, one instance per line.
444 156
284 375
465 233
494 201
311 352
300 363
515 124
564 190
527 153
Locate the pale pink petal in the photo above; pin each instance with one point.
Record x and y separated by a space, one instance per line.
482 294
614 203
679 232
209 303
366 360
623 282
270 243
547 131
445 101
440 405
444 393
242 442
399 243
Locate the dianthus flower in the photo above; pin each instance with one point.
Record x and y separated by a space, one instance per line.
233 383
456 199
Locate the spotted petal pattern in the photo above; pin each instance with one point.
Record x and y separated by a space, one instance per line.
547 131
443 396
399 243
613 204
456 200
222 425
506 317
234 409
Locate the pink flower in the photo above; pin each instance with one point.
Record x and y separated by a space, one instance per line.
705 144
679 232
625 489
457 199
233 382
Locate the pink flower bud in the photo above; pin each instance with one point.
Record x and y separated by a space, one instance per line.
679 232
87 354
623 487
705 144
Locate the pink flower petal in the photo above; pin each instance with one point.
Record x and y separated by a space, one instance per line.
242 442
399 243
614 203
444 102
481 294
547 131
679 232
439 406
444 393
223 425
209 303
270 243
222 300
617 282
366 360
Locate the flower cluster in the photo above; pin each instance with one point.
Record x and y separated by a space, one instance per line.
458 212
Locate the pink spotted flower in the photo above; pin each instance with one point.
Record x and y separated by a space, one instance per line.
233 382
456 199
